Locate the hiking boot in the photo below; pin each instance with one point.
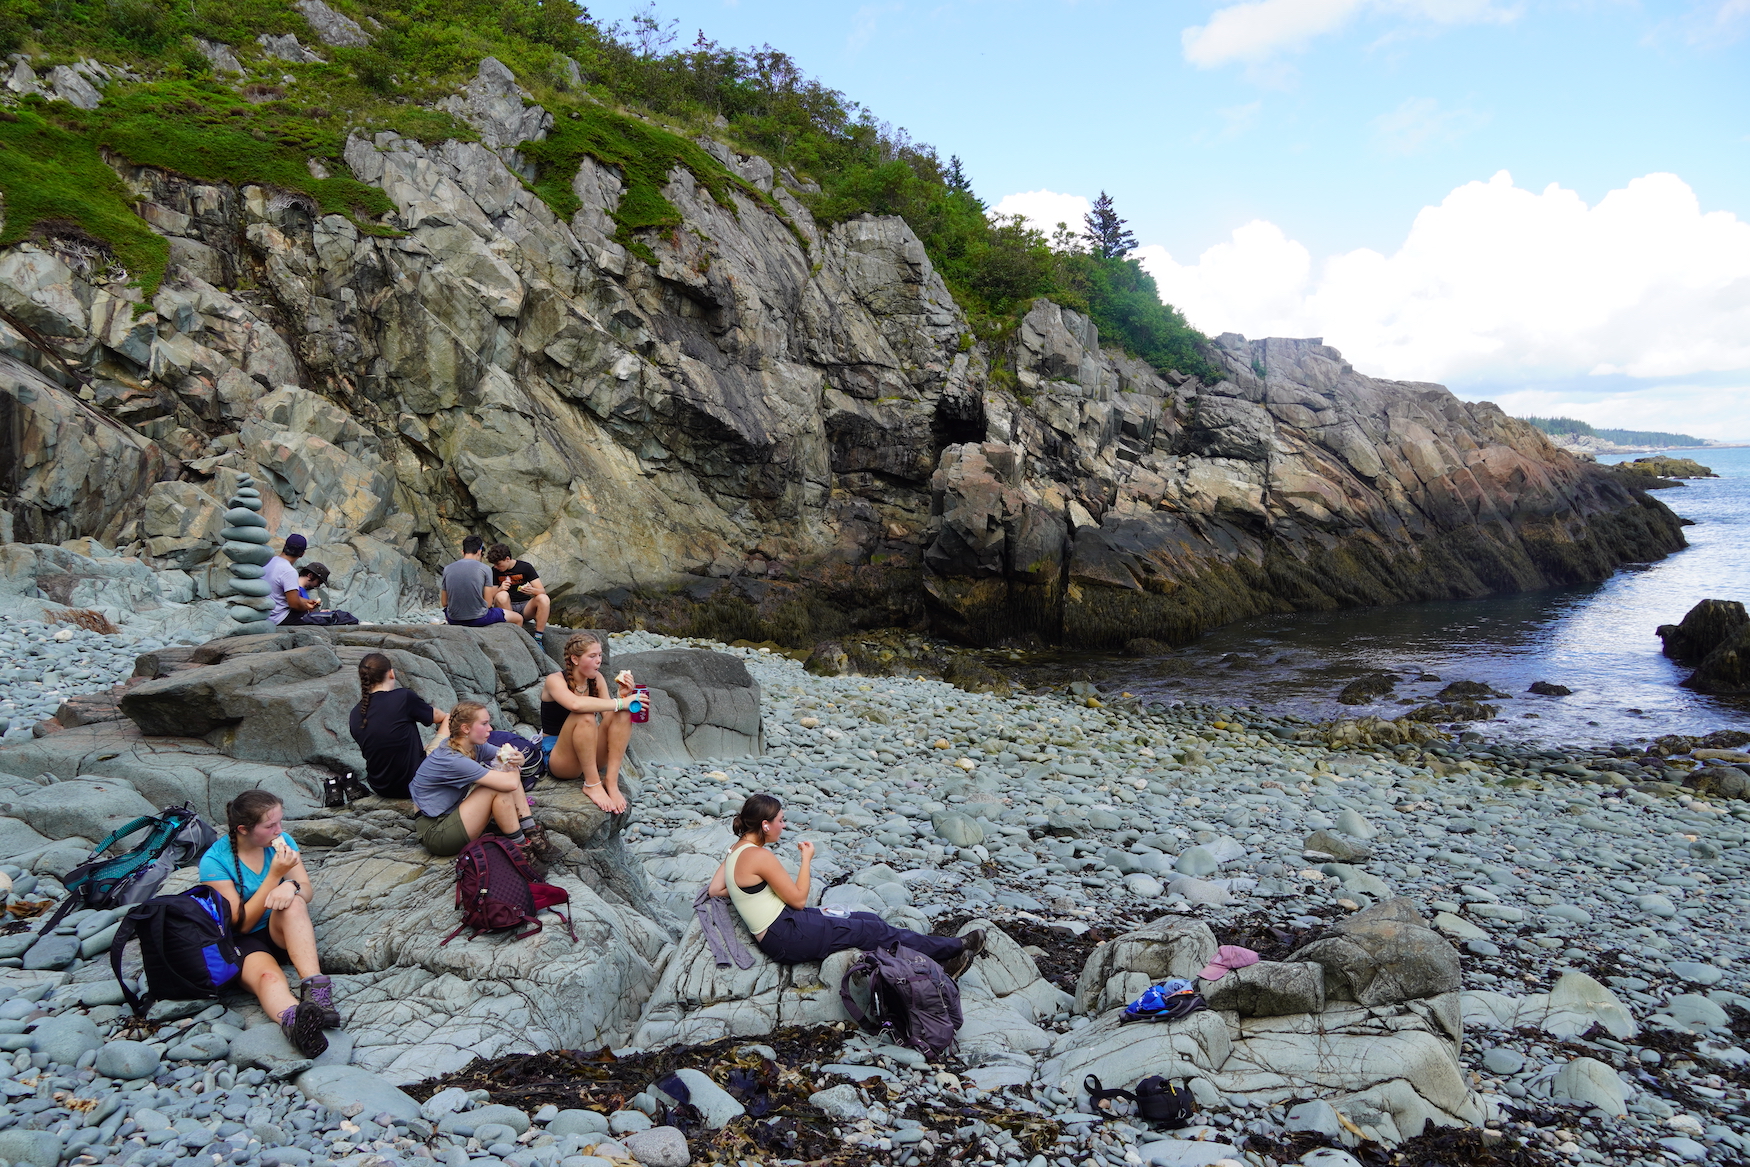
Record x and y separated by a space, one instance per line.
303 1026
971 945
541 845
319 991
526 849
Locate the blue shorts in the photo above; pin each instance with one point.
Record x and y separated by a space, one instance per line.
547 744
492 616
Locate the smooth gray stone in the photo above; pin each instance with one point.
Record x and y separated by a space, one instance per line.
626 1121
959 830
1320 1117
1697 973
1196 861
203 1047
840 1102
578 1122
1503 1061
65 1038
17 944
127 1060
39 1148
337 1086
265 1046
662 1146
52 952
444 1103
510 1116
715 1103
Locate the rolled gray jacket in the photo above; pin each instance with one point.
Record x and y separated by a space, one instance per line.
717 921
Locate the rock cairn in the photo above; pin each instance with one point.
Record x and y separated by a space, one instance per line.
246 545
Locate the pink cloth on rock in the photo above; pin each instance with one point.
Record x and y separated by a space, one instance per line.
1227 958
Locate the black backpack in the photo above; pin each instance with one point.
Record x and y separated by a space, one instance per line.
186 947
1156 1099
178 837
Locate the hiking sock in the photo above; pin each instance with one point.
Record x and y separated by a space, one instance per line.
525 823
517 837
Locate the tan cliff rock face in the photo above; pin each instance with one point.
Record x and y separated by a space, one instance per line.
784 426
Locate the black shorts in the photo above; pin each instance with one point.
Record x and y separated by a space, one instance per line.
261 941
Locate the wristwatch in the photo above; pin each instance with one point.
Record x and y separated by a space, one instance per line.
295 884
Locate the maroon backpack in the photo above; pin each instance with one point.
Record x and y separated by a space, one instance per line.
911 997
497 890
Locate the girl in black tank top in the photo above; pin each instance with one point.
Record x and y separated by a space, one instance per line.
586 728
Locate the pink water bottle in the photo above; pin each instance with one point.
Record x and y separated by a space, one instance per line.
640 704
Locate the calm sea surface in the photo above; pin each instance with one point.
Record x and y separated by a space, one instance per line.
1597 640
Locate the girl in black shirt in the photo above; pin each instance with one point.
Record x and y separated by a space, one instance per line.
385 724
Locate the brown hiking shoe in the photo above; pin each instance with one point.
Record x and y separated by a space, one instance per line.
541 845
972 944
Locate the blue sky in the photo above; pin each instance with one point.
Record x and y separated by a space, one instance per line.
1376 171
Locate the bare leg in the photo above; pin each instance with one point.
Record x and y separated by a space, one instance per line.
484 804
586 740
511 617
263 977
537 609
610 752
291 929
501 600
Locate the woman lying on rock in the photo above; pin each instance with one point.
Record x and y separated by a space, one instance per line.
262 877
774 907
464 785
584 731
386 725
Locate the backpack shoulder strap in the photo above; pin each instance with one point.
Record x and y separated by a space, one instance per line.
121 833
865 965
1097 1094
123 934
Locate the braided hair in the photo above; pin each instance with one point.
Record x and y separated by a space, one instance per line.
576 647
372 670
462 719
242 813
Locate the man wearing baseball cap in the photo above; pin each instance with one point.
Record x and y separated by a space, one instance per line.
282 581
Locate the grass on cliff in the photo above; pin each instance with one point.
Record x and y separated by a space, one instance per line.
644 155
758 100
56 182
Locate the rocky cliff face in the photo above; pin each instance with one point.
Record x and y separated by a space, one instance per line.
780 426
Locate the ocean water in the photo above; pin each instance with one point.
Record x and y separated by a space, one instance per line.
1596 639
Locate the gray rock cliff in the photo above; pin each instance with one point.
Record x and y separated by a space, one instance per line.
779 418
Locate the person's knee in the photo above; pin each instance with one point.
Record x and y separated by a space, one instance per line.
296 910
512 618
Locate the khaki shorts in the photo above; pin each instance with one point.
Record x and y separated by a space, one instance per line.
442 836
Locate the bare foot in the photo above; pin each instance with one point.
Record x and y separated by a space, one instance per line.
598 794
620 803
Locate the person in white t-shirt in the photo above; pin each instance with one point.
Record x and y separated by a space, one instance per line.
282 583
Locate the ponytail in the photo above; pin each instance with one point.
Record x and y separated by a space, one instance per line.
759 808
372 669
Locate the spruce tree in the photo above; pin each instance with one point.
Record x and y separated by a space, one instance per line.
956 177
1107 235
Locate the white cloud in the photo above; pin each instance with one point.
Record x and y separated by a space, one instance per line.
1254 31
1045 209
1420 122
1500 285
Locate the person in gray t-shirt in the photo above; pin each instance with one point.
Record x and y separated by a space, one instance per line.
468 591
463 786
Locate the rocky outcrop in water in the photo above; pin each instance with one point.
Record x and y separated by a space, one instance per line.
1714 637
779 428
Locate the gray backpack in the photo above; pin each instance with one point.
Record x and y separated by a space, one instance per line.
910 996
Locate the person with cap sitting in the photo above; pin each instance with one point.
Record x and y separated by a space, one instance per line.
281 574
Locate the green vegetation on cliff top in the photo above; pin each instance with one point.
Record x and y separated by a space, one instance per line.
1569 425
623 95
